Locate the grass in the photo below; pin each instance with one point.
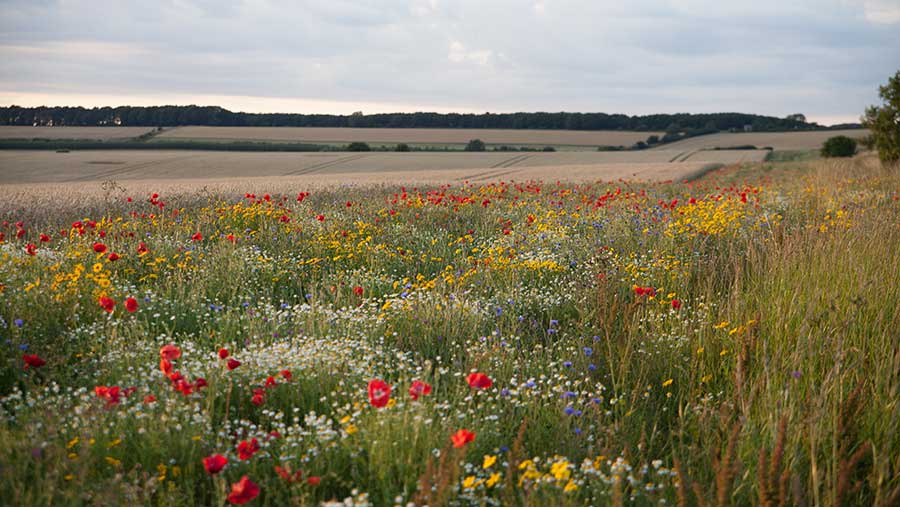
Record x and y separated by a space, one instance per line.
760 369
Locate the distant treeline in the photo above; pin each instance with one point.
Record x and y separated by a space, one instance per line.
169 116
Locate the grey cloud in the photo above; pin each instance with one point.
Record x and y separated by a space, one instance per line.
767 56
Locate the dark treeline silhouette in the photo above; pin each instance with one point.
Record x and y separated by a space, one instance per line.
169 116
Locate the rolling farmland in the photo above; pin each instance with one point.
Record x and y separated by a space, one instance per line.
88 133
339 167
781 141
410 136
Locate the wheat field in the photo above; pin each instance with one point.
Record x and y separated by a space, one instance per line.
88 133
787 141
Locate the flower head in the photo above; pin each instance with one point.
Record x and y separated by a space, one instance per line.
379 393
243 491
461 438
479 381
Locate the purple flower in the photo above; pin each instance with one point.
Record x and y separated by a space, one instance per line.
569 410
567 364
19 322
795 374
588 351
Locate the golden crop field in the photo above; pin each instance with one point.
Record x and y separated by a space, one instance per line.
788 141
23 166
91 133
409 136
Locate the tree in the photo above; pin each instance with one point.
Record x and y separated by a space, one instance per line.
402 147
797 117
884 121
839 146
475 145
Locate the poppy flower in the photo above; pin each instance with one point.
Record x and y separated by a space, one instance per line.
419 388
31 249
231 238
287 375
258 398
33 360
314 480
270 381
285 473
20 233
149 399
99 247
131 305
320 218
197 237
223 353
246 449
142 249
461 438
107 304
676 304
233 363
110 394
243 491
379 393
169 352
358 291
113 257
214 464
45 238
479 381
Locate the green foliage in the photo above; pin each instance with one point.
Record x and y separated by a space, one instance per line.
402 147
884 121
475 145
358 146
839 146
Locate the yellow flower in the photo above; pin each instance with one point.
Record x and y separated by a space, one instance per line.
69 477
72 443
493 479
488 461
721 325
73 456
667 383
113 461
115 442
700 350
98 267
560 470
570 487
470 482
351 429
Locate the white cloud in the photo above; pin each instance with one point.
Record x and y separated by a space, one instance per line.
459 54
885 12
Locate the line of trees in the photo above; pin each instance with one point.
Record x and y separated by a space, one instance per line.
169 116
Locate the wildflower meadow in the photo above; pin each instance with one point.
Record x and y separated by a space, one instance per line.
730 340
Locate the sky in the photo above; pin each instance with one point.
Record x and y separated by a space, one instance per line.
822 58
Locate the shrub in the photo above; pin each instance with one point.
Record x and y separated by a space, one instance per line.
839 146
402 147
475 145
358 146
549 148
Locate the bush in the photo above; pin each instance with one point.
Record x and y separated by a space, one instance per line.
549 148
884 121
358 146
839 146
402 147
475 145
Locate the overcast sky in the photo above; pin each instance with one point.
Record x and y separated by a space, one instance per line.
824 58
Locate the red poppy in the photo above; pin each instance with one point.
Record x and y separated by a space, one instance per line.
20 233
301 196
113 257
33 360
231 238
110 394
142 249
320 218
223 353
31 249
419 388
358 291
149 399
676 304
131 305
243 491
285 473
258 398
107 304
214 464
287 375
314 480
45 238
479 381
379 393
197 236
270 381
233 363
461 438
165 366
246 449
99 247
169 352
